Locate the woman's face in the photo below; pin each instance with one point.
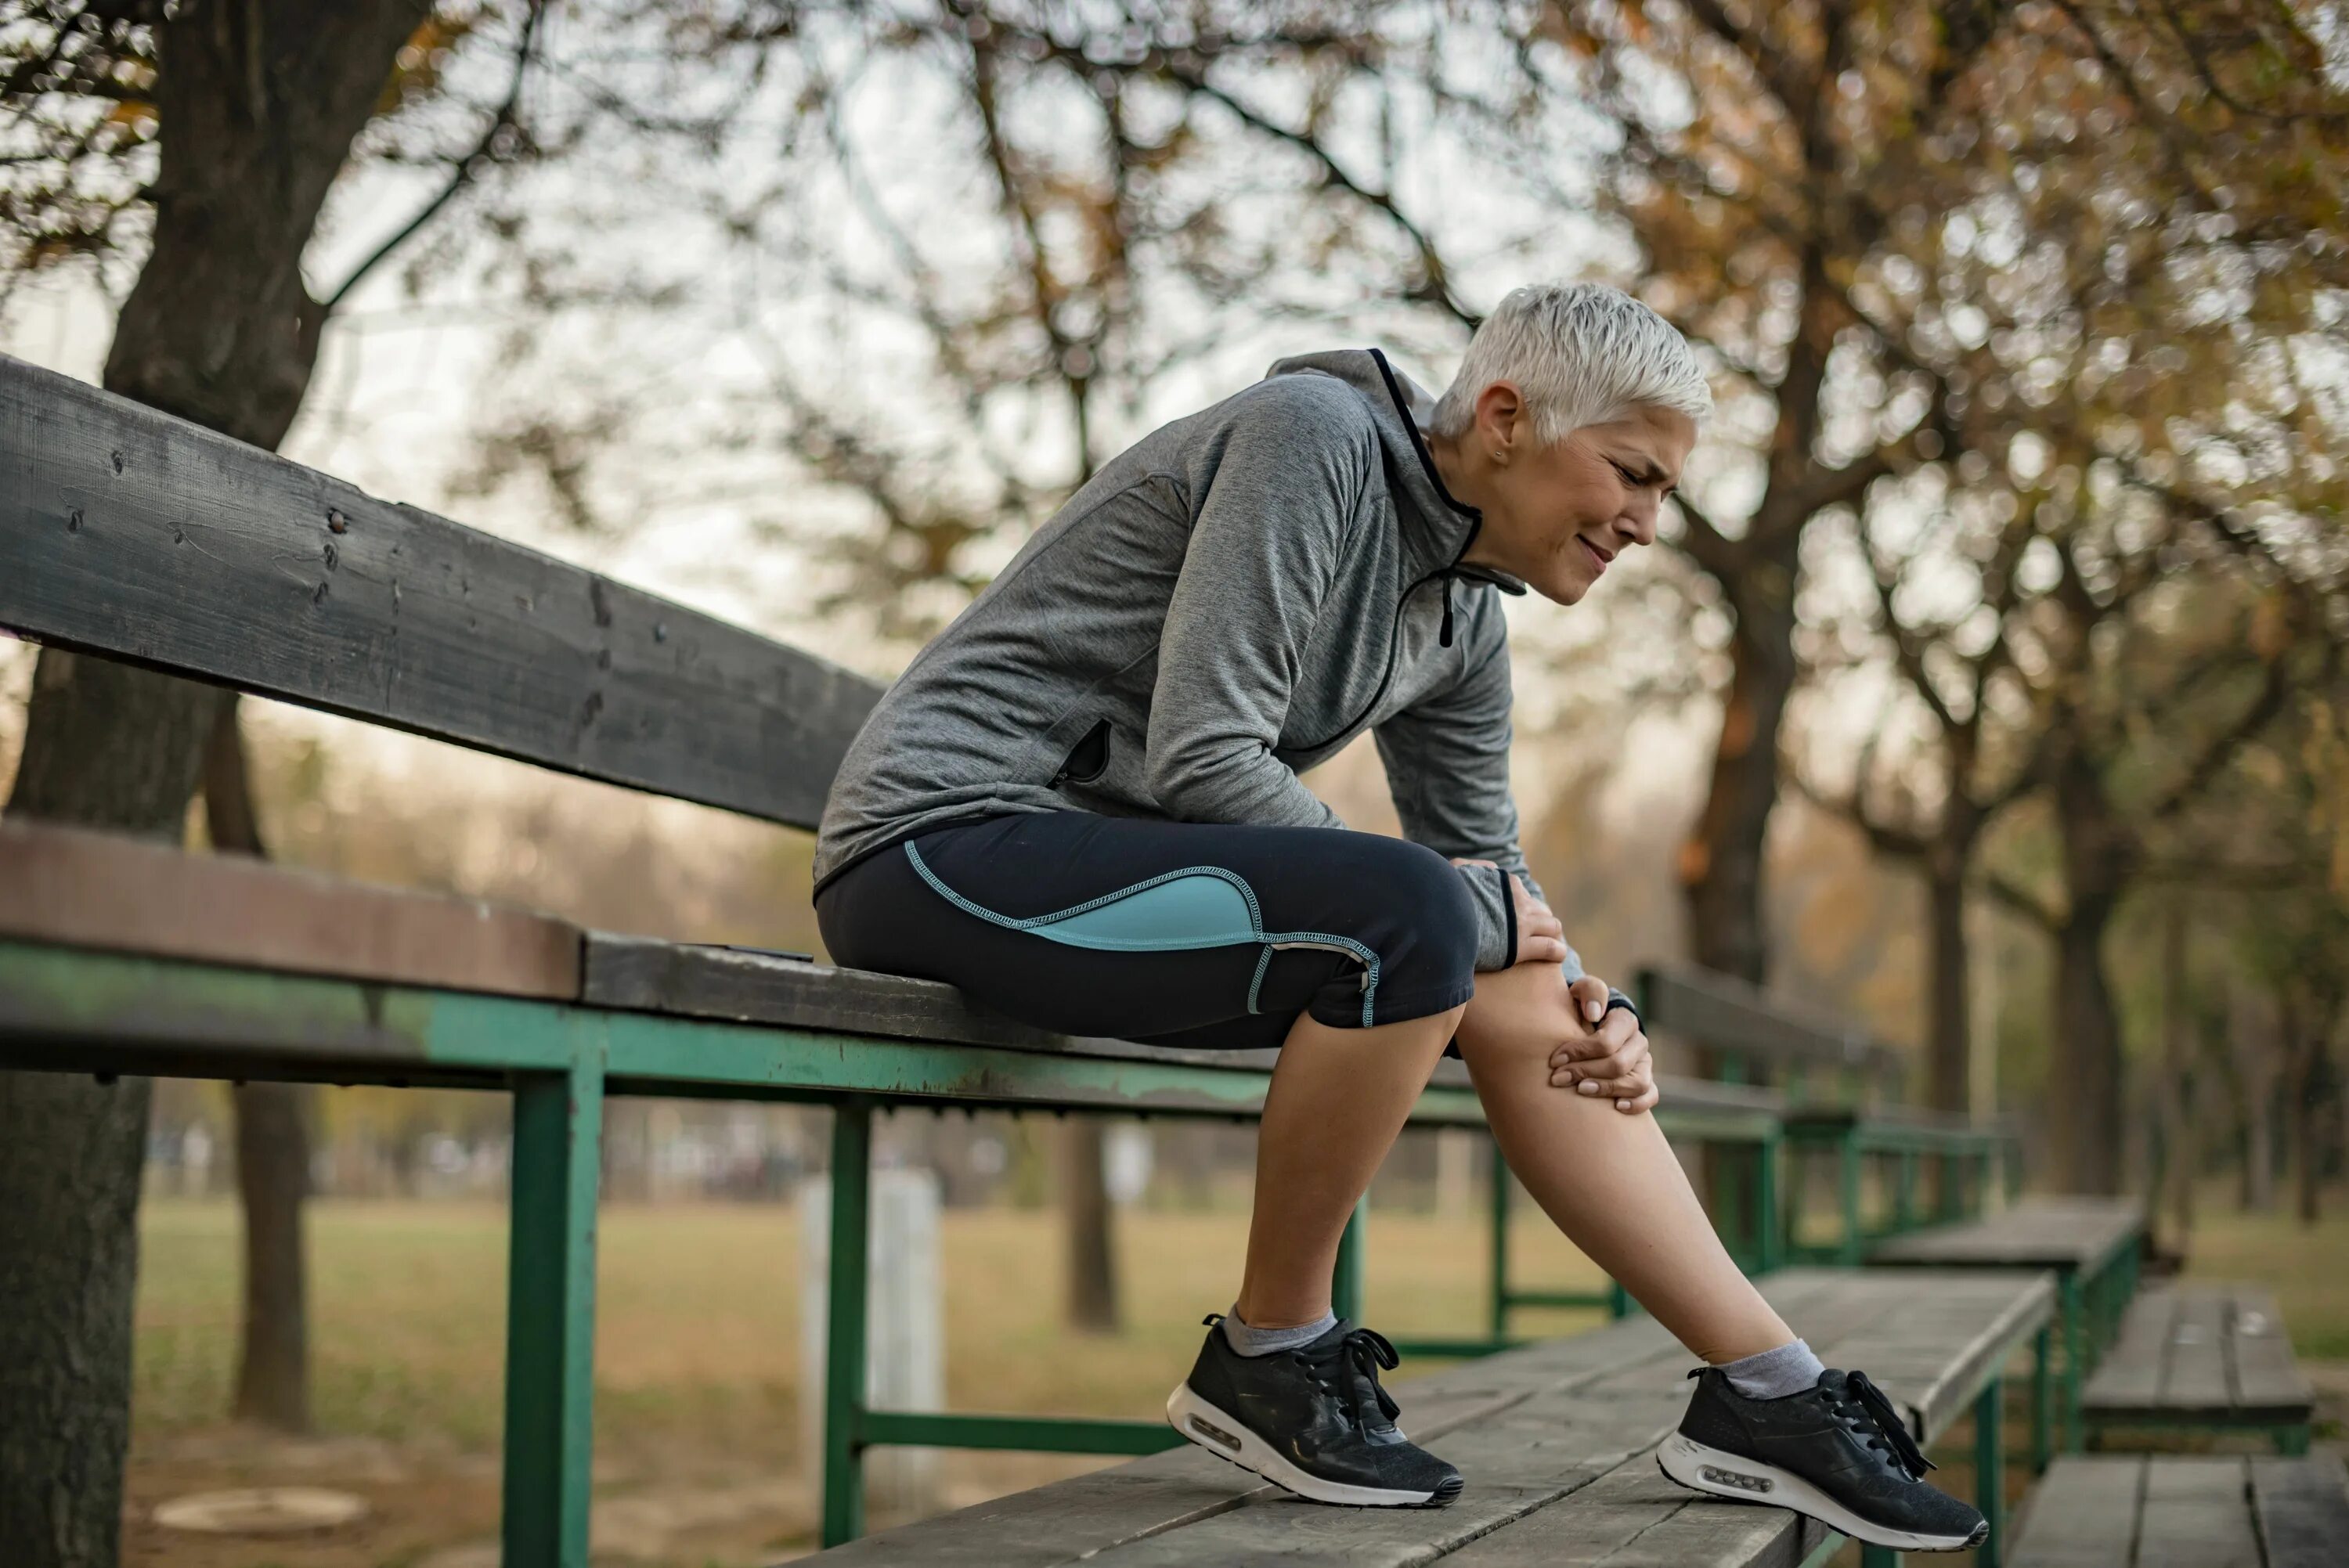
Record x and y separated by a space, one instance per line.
1556 515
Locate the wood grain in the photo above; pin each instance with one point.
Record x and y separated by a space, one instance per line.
128 533
77 888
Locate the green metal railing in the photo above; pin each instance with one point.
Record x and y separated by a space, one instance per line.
73 1009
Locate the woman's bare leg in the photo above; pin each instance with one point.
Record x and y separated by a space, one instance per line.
1607 1179
1337 1099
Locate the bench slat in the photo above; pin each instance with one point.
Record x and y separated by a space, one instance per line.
2196 1514
2056 1232
129 532
2186 1512
77 888
2201 1352
2302 1507
2082 1514
1561 1456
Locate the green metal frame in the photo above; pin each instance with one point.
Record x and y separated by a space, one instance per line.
78 1010
1965 1157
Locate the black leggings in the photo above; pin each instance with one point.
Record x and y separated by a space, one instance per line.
1180 933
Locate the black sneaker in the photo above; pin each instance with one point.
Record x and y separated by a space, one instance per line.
1312 1420
1837 1451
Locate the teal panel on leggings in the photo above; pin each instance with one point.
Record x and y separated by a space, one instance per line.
1188 911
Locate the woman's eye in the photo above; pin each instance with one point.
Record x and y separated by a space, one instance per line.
1625 472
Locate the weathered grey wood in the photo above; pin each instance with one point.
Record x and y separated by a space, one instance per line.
2204 1353
125 531
1558 1454
1724 1012
2196 1514
642 975
2187 1511
2301 1508
2056 1232
80 889
2082 1514
1635 1517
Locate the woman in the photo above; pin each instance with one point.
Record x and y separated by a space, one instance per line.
1081 805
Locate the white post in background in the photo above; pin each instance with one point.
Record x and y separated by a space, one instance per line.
906 1368
1455 1170
1126 1161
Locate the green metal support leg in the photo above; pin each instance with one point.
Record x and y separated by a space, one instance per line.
1769 1212
2074 1348
1878 1556
1346 1281
845 1322
1904 1193
558 1119
1500 1201
1990 1467
2042 1393
1853 1245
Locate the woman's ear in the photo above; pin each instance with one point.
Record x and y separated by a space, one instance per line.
1500 408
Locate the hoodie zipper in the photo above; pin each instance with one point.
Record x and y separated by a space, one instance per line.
1446 573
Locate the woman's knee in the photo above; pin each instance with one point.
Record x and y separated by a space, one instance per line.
1435 940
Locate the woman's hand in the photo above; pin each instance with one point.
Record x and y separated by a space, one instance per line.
1614 1060
1541 939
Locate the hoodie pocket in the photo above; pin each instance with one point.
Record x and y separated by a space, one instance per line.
1088 760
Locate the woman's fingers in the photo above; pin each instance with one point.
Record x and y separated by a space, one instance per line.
1535 948
1614 1034
1644 1100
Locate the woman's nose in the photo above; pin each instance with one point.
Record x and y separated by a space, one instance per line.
1638 521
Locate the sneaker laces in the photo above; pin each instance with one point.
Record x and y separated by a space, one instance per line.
1874 1416
1362 1351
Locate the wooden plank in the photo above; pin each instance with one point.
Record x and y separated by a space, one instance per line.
2131 1374
1143 1499
2065 1233
2084 1514
1724 1012
2302 1511
2202 1353
2269 1384
2194 1370
83 889
1636 1517
641 975
2197 1514
129 532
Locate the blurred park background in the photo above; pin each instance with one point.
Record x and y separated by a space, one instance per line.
1987 687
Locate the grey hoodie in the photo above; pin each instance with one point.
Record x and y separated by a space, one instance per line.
1223 605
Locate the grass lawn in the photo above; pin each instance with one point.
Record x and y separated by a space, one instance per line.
698 1450
697 1313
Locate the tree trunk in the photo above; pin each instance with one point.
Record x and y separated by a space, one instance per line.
2181 1150
2253 1056
2085 1082
1084 1198
273 1153
1949 1038
1720 864
258 104
273 1178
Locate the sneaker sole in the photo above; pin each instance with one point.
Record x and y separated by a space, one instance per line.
1225 1438
1702 1468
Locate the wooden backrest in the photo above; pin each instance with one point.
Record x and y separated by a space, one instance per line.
130 533
1723 1013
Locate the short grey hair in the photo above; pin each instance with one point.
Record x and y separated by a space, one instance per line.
1582 354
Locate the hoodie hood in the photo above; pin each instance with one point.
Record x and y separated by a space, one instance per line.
1438 527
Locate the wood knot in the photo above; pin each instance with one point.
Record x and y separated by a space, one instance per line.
336 523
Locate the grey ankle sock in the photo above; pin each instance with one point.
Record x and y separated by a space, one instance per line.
1774 1374
1249 1341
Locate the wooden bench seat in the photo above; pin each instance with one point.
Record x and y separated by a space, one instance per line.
1556 1439
65 890
2195 1511
2068 1235
2203 1355
2090 1244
